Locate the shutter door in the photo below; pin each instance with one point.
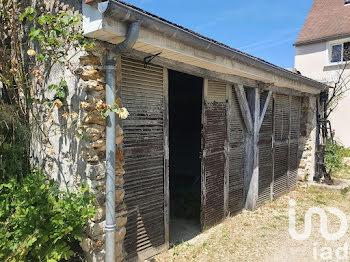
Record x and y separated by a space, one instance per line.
295 108
213 155
281 145
236 156
266 154
142 95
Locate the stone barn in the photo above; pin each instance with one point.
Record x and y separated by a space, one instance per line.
211 130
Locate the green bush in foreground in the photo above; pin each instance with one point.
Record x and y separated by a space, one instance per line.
39 221
334 156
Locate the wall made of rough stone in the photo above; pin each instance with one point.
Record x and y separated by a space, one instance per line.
70 160
73 161
307 140
93 83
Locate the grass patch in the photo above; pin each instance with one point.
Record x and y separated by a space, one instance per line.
265 230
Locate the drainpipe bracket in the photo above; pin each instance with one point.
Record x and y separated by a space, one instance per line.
110 227
110 67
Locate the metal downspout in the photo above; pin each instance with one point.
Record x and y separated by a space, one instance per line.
110 68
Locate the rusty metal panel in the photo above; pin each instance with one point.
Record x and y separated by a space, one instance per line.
266 155
295 109
236 156
142 94
213 155
281 144
293 164
287 114
280 185
282 111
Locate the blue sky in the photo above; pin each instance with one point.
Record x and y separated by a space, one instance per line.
263 28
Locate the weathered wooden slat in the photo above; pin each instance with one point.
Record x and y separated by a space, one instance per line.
143 93
266 156
166 158
227 149
236 154
214 158
281 145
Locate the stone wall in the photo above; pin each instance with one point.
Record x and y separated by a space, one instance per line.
69 140
307 147
93 83
73 161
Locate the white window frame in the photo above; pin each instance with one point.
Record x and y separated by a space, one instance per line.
330 45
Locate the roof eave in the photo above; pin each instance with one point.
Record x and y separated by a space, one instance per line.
319 40
119 11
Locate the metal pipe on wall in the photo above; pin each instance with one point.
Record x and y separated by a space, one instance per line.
110 68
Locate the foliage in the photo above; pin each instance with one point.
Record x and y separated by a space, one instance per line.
32 41
57 35
38 221
14 144
334 156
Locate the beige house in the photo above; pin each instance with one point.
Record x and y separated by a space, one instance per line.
323 53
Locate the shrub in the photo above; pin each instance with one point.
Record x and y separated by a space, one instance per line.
39 221
334 156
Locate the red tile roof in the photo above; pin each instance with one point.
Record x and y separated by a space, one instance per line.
326 19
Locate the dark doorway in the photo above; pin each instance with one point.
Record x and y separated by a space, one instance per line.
185 119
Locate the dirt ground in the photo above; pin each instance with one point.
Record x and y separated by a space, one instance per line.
263 235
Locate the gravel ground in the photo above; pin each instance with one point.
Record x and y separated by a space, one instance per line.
263 235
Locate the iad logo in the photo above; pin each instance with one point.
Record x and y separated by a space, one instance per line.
323 224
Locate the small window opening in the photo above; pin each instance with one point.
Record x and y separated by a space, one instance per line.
336 53
347 2
340 52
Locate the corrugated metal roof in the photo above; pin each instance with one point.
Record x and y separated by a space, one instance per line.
326 19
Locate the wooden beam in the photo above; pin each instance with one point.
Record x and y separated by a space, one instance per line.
243 103
205 73
264 108
285 91
252 152
193 70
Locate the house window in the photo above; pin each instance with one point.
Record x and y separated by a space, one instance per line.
340 52
336 53
347 2
346 51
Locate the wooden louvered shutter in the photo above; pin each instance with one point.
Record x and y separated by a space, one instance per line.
295 108
213 156
281 144
236 153
266 154
142 94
